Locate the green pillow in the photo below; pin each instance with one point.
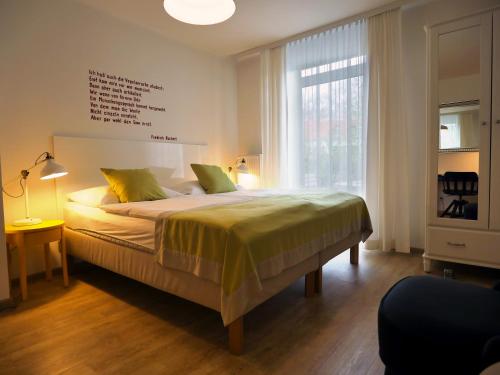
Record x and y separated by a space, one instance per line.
133 185
212 178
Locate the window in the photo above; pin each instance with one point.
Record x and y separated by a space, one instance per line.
332 125
449 131
327 94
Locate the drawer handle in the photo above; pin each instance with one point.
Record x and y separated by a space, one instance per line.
455 244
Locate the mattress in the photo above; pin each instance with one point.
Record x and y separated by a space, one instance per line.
128 231
135 224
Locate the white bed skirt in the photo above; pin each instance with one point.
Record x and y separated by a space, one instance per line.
143 267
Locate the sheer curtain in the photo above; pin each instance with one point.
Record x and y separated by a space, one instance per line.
449 133
333 118
387 173
273 114
324 138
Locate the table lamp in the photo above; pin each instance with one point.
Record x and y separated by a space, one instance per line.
50 170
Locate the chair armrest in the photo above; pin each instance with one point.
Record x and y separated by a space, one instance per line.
491 352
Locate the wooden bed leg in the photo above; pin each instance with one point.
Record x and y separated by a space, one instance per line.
236 336
318 280
355 254
310 284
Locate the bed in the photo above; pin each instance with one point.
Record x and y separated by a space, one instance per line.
141 240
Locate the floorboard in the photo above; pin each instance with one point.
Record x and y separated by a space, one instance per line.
107 324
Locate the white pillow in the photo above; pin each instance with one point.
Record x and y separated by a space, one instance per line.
189 187
94 196
171 193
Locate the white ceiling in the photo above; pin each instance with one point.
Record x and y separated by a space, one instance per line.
255 23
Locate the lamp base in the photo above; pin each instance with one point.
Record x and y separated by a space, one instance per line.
26 222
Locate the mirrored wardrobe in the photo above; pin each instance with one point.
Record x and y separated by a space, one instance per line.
463 135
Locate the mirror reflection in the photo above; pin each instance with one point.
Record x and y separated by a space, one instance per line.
459 125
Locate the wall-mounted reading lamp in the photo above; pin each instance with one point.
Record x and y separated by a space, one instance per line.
240 166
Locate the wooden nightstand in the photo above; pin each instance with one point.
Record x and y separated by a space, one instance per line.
41 234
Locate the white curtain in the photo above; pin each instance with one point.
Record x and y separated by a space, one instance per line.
327 91
273 114
387 169
449 133
333 117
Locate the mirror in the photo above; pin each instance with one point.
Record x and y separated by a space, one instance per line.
458 128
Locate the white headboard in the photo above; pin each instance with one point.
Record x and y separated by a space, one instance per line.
83 158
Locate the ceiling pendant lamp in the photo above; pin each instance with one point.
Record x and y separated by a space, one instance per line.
200 12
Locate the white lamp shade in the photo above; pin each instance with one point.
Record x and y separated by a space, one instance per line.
200 12
52 170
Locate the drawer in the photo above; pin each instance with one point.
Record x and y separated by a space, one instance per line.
478 246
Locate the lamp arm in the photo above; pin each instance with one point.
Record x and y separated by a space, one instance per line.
38 161
25 173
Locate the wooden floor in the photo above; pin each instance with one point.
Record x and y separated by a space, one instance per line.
107 324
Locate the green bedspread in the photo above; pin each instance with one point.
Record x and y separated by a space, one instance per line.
234 244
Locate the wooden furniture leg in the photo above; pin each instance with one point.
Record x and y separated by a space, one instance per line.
355 254
318 280
9 266
48 266
427 265
236 336
23 277
310 284
64 261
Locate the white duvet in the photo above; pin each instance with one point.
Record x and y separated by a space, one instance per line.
139 223
154 210
159 209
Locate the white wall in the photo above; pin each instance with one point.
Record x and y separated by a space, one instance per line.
458 162
4 266
414 60
47 48
248 77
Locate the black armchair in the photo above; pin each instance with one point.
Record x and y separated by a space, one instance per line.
429 325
